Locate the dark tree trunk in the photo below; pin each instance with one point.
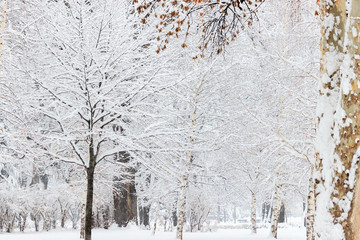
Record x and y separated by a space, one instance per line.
144 216
96 219
89 201
46 221
144 208
282 214
90 192
174 218
125 202
63 214
141 215
36 218
36 178
1 222
22 221
44 178
63 219
53 222
125 199
106 217
263 211
146 222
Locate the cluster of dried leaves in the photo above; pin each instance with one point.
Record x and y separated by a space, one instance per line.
218 21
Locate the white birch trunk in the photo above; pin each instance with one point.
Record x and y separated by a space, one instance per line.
182 202
310 209
82 220
181 218
276 211
253 212
156 217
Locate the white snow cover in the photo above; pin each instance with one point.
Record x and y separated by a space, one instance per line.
135 234
325 142
325 146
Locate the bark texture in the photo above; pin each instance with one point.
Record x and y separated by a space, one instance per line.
310 210
82 220
90 191
277 206
338 123
347 149
253 212
181 218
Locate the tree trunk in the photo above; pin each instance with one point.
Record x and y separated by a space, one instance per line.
253 212
310 209
11 222
192 220
53 221
348 148
95 223
141 215
337 172
277 206
90 192
36 218
75 215
181 218
125 198
188 160
174 218
22 221
106 216
63 219
1 220
89 202
144 216
282 216
82 221
63 214
46 221
156 217
146 220
125 201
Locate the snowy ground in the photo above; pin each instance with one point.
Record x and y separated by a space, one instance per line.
135 234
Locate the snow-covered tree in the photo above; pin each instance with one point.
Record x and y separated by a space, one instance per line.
78 61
